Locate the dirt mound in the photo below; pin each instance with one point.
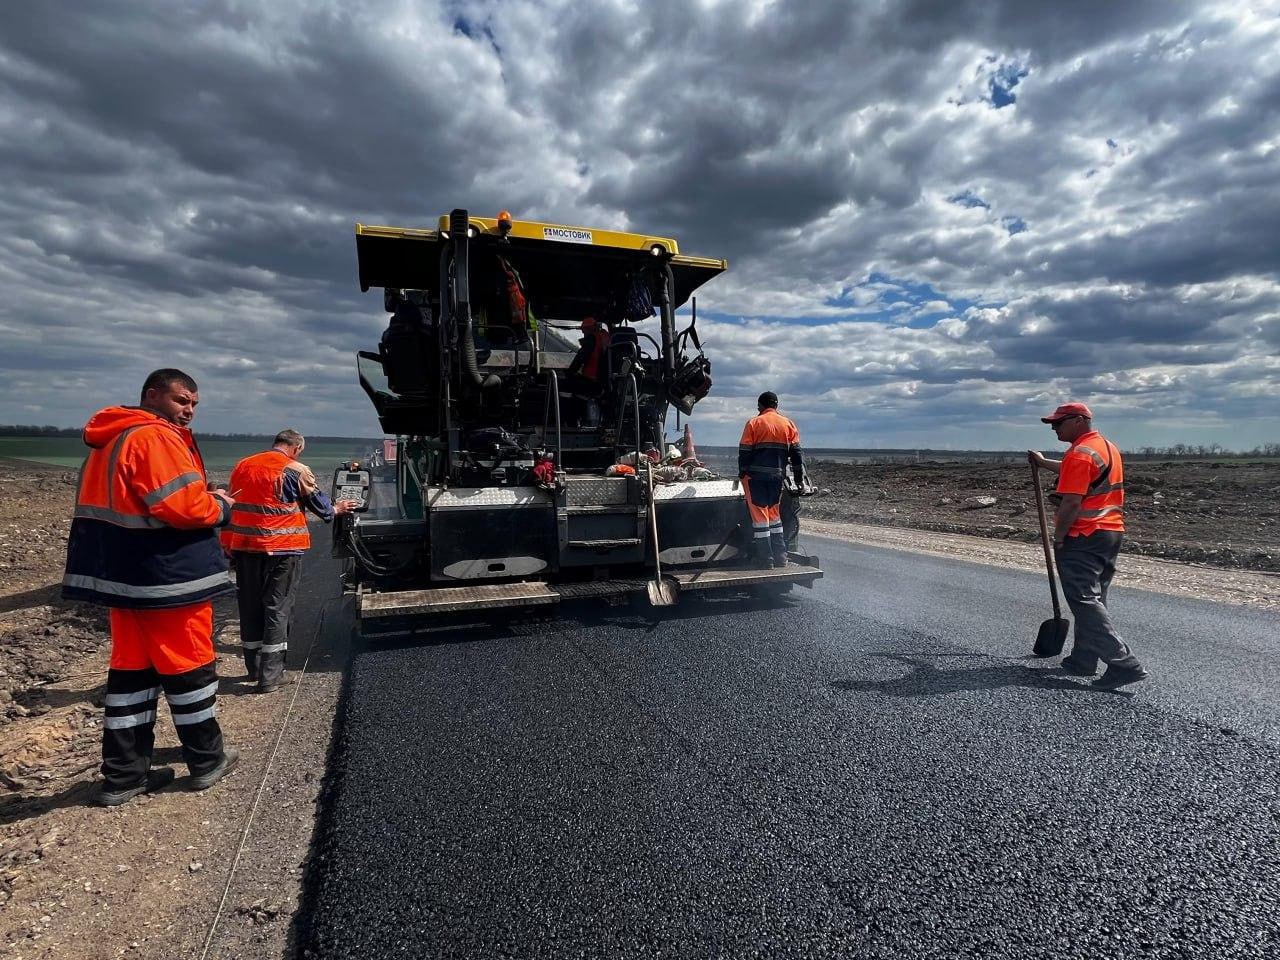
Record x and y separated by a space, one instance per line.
1223 513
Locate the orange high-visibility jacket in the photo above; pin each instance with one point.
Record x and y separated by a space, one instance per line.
768 442
143 532
1093 468
260 521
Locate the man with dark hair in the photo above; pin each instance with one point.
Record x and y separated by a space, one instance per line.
1088 529
769 441
143 544
266 538
162 379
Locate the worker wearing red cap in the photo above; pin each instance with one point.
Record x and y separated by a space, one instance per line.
769 442
1088 529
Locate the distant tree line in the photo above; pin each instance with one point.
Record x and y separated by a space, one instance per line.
24 430
29 430
1202 450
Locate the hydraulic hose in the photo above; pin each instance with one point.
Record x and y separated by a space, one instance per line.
458 224
666 298
366 558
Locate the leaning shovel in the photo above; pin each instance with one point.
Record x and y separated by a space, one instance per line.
662 592
1053 633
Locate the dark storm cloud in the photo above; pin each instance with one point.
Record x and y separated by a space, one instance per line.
1093 186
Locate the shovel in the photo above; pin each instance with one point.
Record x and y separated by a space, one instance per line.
662 593
1053 633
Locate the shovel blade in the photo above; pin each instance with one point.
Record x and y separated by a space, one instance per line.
1052 636
662 593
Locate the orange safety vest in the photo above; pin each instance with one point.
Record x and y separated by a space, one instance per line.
768 442
142 536
1093 467
593 365
260 521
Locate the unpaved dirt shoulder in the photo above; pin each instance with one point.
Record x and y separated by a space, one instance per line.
1159 576
147 879
1226 513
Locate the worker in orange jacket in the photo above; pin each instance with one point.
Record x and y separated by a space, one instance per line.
267 537
587 376
1088 530
143 544
769 442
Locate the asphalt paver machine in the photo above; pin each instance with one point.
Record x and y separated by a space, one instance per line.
527 372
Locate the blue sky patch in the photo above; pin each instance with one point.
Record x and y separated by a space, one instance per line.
969 199
475 31
899 298
901 303
1014 224
1003 81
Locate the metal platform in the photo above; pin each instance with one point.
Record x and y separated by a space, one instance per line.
723 578
408 603
402 603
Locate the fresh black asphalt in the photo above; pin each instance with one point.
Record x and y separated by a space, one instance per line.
876 769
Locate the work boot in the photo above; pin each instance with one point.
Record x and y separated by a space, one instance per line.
1116 677
761 555
778 548
230 757
155 780
1076 668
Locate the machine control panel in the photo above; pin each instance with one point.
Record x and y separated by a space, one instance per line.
352 483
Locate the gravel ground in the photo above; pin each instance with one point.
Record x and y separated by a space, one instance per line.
1223 513
147 879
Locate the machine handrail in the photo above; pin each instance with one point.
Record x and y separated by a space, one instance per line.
635 404
553 391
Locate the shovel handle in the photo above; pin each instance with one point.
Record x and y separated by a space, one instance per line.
1044 541
653 520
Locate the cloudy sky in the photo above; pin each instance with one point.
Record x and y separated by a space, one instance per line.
942 218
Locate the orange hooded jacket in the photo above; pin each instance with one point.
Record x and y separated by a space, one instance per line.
143 531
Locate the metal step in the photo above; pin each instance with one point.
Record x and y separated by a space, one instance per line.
401 603
722 577
577 511
374 606
605 544
597 491
599 588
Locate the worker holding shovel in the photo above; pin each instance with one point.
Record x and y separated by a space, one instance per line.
1088 530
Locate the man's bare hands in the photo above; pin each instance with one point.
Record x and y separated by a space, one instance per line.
344 506
227 498
1038 459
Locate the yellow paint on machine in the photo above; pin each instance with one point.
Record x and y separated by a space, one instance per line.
548 232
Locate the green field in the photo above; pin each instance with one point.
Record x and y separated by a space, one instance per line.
219 455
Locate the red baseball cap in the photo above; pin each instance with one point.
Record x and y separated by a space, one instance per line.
1068 410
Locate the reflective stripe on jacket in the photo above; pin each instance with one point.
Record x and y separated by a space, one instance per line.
1094 469
768 442
143 534
261 522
